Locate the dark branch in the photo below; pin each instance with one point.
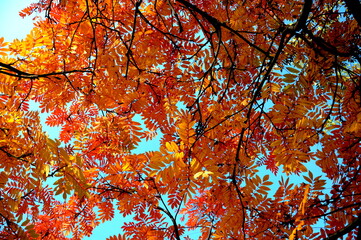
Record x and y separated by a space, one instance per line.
301 23
217 24
345 230
11 71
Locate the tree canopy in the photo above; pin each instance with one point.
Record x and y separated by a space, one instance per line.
240 92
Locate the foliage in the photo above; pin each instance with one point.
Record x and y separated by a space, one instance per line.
230 86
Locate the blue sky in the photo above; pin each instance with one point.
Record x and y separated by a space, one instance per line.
11 24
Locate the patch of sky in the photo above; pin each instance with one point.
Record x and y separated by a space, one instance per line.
53 132
110 228
12 26
147 145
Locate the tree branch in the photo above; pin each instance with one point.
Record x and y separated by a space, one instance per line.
301 23
14 72
13 156
345 230
217 24
174 221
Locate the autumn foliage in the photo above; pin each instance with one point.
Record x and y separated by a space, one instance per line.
242 94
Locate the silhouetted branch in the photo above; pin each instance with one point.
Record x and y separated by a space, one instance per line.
356 223
14 72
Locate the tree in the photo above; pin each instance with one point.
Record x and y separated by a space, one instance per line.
230 86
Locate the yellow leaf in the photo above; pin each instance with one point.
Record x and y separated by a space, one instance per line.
197 174
126 167
304 200
2 47
171 146
206 174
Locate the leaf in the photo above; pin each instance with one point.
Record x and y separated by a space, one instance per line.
293 70
289 78
308 179
116 237
198 174
3 50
